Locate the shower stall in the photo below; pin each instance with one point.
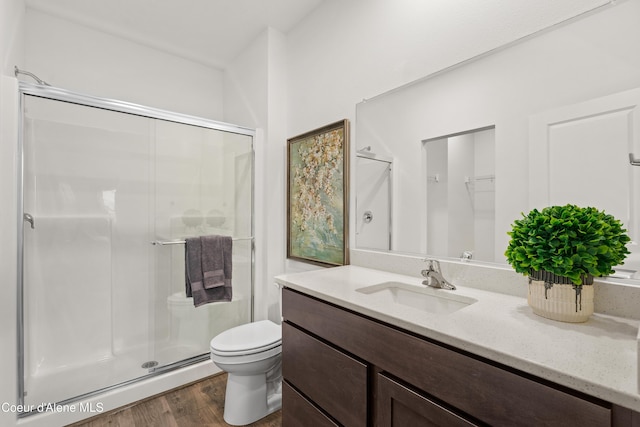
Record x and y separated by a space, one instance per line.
108 192
374 200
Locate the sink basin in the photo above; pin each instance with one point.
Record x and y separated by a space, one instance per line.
436 301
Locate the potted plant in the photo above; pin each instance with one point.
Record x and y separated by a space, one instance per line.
565 246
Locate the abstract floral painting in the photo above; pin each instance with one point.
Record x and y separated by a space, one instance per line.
318 196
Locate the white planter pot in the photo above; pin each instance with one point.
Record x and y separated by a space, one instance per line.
562 302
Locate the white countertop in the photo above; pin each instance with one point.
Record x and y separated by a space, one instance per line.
598 357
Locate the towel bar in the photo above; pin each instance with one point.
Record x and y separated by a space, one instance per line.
182 242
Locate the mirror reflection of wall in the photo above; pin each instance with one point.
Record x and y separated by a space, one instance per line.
461 195
373 200
551 145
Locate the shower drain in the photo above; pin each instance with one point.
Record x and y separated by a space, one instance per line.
150 364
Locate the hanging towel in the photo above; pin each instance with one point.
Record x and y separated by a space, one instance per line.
216 256
192 265
208 269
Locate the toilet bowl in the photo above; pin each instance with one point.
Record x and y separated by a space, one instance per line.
251 355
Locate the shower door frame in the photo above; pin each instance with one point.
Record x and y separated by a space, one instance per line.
63 95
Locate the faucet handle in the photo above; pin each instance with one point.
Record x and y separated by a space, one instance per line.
434 277
434 264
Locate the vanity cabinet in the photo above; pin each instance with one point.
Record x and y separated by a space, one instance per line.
352 370
401 406
341 390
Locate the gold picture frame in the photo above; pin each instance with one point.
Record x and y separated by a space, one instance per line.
318 195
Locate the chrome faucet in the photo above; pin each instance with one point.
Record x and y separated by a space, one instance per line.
433 276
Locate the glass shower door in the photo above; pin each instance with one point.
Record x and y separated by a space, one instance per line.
86 253
202 187
109 198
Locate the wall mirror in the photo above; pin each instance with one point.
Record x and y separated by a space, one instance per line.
374 188
561 109
460 192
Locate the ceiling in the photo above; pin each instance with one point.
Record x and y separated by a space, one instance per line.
212 32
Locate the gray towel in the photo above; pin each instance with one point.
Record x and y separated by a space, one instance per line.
192 265
216 260
208 269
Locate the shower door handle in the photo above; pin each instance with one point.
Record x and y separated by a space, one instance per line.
29 218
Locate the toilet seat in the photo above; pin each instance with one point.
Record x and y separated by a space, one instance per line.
251 338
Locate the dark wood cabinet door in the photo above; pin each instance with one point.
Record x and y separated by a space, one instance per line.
399 406
333 380
298 411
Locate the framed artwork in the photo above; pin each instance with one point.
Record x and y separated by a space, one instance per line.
318 195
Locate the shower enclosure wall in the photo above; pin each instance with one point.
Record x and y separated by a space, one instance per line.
374 199
109 192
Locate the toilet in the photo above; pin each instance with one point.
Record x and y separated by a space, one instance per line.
251 355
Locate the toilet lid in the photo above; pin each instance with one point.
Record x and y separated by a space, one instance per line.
248 338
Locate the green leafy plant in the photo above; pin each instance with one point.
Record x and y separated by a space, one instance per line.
568 241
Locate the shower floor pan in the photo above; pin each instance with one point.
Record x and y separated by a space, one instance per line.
67 384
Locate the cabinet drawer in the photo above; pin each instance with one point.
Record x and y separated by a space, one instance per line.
298 411
482 389
399 406
333 380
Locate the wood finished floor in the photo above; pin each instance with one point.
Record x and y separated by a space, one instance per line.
198 404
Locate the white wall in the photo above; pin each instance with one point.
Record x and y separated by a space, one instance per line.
8 234
78 58
11 54
346 51
11 34
255 88
460 212
484 197
436 160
